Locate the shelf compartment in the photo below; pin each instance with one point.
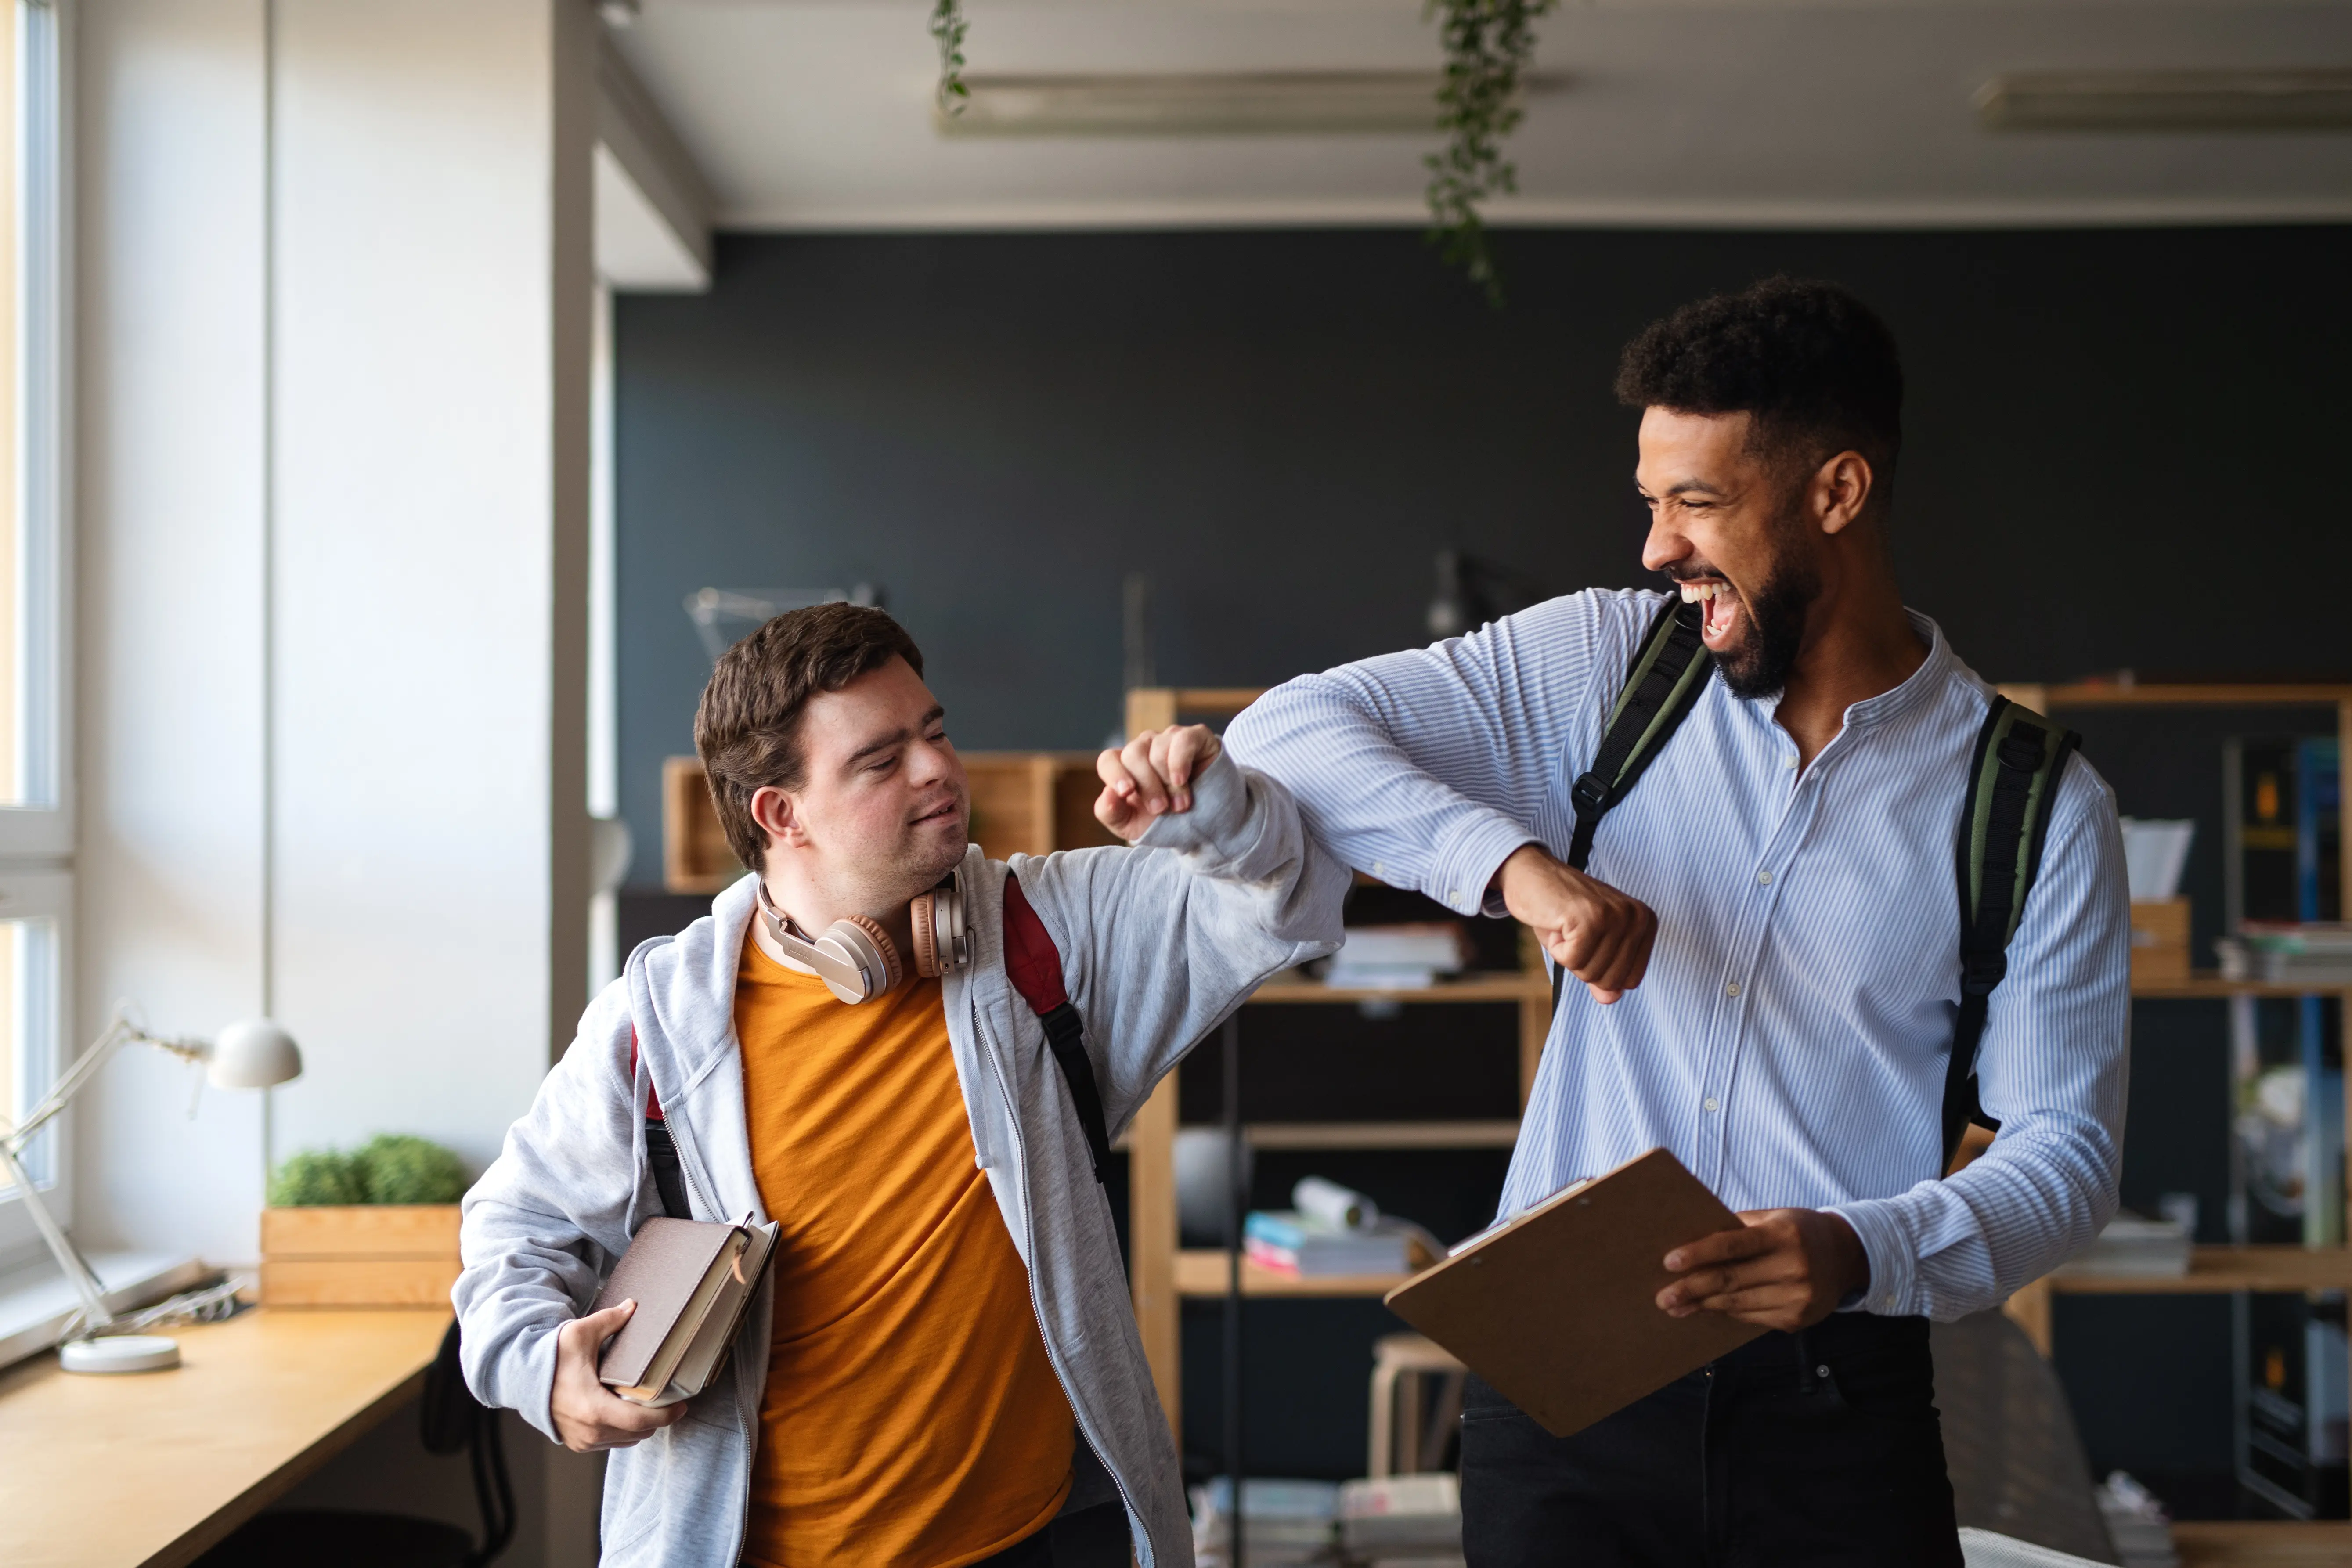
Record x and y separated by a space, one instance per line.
2262 1544
2213 1269
1202 1272
1479 988
2207 984
1501 1133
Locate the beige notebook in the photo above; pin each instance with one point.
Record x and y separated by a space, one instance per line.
1558 1308
692 1281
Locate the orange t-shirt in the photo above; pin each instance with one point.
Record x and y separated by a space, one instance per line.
911 1417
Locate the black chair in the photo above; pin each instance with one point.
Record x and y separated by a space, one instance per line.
453 1420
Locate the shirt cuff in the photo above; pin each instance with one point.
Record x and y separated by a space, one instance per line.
1467 858
1893 1261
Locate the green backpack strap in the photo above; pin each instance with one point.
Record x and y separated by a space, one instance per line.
1661 684
2013 783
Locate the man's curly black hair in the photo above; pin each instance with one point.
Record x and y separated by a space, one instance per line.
1815 366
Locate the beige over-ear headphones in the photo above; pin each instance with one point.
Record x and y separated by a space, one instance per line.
856 957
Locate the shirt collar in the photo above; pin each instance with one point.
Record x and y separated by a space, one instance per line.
1921 686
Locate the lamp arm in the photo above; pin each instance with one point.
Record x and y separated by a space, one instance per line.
94 1312
70 1082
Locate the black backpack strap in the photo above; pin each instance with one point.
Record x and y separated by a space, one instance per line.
1665 680
661 1149
2013 786
1661 684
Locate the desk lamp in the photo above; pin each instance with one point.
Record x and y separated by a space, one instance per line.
252 1054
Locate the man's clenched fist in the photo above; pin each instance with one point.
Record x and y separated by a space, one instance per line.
1595 932
1153 775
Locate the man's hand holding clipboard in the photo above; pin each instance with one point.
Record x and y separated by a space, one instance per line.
1574 1309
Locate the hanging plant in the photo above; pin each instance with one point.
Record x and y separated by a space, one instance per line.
947 31
1488 44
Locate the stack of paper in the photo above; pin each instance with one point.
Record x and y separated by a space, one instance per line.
2131 1245
1283 1523
1398 957
2315 952
1402 1522
1299 1244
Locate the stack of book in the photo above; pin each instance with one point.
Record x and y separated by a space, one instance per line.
1398 957
2305 952
1285 1524
1297 1243
1402 1522
2134 1246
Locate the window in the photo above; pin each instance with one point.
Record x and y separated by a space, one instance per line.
35 791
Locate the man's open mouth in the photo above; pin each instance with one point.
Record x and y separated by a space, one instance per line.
1722 615
944 810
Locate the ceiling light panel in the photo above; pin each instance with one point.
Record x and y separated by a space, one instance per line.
2184 100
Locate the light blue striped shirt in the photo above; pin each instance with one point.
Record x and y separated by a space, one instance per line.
1788 1043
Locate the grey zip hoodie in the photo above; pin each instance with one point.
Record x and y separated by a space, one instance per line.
1158 944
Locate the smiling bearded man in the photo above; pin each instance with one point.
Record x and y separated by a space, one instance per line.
1781 890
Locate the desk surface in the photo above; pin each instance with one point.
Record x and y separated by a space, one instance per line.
148 1469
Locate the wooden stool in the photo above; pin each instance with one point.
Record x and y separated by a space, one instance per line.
1402 1438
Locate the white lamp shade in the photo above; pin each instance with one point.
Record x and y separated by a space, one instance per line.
254 1053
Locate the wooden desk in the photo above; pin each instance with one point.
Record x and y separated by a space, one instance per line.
149 1470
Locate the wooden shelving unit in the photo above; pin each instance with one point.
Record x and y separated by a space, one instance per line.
2218 1270
1163 1275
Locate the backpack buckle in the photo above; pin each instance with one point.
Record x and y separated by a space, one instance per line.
1980 972
1589 794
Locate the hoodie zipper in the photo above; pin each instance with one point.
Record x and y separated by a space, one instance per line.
1029 1227
744 1415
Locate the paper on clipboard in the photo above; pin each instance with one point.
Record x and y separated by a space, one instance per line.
1558 1308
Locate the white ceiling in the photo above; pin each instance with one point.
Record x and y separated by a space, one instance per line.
816 114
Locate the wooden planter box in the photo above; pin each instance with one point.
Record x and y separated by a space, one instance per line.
371 1255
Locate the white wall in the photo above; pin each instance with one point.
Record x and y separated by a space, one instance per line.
376 829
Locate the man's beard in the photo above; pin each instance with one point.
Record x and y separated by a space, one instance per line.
1761 663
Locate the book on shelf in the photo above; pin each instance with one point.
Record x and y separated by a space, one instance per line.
1408 957
1295 1243
2137 1248
691 1280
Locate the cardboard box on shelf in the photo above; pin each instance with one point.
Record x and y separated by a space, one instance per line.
2160 941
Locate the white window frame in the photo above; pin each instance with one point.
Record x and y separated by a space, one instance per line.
37 837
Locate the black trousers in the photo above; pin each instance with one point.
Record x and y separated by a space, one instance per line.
1091 1538
1821 1449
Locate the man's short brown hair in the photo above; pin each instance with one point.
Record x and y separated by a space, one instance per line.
747 729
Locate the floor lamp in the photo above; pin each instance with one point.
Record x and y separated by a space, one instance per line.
252 1054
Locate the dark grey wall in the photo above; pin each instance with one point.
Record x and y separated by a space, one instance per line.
2121 447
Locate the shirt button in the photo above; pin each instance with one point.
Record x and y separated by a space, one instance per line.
1454 894
1732 989
1710 1102
1788 762
1764 878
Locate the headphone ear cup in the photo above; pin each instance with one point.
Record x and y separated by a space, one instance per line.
922 913
868 946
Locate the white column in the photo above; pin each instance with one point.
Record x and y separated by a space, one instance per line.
169 182
336 279
434 287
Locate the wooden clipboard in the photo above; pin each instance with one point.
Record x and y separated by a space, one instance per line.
1558 1308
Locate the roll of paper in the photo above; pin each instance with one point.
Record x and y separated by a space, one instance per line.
1329 1203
